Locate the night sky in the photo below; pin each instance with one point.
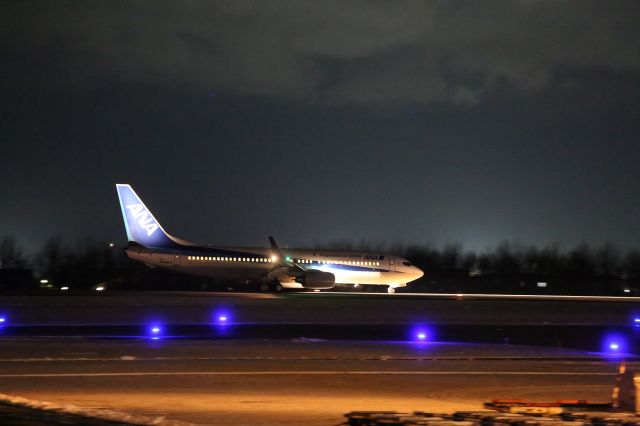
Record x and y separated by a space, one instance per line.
380 121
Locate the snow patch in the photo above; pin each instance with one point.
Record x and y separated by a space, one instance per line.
308 340
90 412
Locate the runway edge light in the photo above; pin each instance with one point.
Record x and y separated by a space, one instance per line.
420 334
155 331
221 317
614 344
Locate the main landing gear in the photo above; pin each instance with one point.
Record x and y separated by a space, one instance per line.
266 287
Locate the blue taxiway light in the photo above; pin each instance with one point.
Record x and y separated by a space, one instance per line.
2 320
615 344
420 334
155 331
221 317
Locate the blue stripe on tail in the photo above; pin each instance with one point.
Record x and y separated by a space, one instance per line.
139 222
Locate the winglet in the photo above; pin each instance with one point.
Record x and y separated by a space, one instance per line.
275 247
282 259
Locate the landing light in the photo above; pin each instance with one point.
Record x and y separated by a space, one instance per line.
626 290
44 281
64 288
614 346
100 288
422 336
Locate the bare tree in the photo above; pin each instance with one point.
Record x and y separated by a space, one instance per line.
11 256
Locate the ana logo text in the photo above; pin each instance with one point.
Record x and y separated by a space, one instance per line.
144 218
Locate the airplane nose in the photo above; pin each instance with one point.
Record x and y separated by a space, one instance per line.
418 273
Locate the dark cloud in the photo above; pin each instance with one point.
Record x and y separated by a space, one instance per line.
330 52
379 120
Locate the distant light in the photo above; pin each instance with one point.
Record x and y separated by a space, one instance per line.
614 346
636 321
99 288
316 291
155 330
111 244
288 258
274 258
422 335
626 290
44 281
3 320
222 318
542 284
459 295
64 288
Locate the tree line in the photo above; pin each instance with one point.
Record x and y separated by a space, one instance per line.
508 267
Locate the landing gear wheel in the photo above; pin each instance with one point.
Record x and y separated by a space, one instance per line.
264 287
278 287
391 290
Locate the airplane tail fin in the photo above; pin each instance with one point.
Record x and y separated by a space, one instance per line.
142 227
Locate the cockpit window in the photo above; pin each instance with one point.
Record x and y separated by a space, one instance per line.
406 263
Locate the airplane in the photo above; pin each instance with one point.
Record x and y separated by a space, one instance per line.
272 269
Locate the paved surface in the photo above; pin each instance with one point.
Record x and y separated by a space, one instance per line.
290 382
292 377
323 308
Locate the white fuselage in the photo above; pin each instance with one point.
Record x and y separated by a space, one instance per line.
253 264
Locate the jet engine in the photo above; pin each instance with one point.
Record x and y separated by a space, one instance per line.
316 280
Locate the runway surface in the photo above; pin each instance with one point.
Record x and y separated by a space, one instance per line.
305 358
290 382
307 308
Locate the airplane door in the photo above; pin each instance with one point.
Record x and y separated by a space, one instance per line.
176 260
392 264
